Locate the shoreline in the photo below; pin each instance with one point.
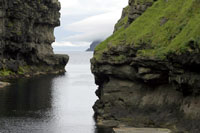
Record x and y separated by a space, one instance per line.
7 80
31 72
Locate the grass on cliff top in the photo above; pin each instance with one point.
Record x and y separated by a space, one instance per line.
166 27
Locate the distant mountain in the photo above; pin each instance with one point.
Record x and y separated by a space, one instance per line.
93 45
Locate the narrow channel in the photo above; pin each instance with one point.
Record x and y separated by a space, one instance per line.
52 103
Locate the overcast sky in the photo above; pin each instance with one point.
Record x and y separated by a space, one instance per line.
84 21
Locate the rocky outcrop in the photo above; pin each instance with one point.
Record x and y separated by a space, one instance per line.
132 12
93 45
26 34
148 73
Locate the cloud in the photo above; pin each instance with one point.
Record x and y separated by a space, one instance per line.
70 44
97 27
83 21
77 7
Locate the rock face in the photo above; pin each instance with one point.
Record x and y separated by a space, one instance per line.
93 45
148 70
132 12
26 34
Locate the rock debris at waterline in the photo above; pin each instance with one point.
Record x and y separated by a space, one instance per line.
4 84
141 130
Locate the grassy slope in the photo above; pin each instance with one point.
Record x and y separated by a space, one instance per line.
183 26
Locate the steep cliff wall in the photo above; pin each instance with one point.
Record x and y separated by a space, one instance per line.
26 34
148 70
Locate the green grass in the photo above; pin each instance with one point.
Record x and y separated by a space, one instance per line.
122 23
182 27
118 58
142 1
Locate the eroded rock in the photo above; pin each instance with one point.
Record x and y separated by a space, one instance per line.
137 89
26 35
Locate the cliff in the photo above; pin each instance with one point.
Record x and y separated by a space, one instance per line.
26 34
148 70
93 45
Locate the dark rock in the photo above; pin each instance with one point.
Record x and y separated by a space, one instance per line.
137 10
163 21
26 34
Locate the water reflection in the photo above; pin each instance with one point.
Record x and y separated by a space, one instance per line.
26 96
52 104
103 130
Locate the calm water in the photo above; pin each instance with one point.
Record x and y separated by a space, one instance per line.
52 104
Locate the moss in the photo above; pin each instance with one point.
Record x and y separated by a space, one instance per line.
173 36
10 24
122 23
119 58
5 72
19 33
23 69
126 9
127 119
103 46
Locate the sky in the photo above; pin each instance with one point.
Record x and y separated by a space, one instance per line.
84 21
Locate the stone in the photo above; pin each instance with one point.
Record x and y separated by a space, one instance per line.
4 84
141 130
142 70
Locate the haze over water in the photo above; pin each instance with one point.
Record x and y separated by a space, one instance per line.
52 104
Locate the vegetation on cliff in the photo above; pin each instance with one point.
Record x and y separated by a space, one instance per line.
148 70
167 27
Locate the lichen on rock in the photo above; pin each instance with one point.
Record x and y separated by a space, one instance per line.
148 70
26 35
